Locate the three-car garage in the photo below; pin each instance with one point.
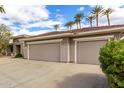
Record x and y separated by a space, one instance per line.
81 50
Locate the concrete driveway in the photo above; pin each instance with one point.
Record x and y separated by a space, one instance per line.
29 73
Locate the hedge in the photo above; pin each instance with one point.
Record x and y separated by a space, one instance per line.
18 55
112 63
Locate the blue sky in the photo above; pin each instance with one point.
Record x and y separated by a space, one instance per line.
37 19
68 12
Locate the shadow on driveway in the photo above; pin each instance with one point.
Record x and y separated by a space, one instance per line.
85 80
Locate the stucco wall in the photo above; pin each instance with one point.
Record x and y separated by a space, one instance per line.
24 52
14 49
64 50
72 52
67 50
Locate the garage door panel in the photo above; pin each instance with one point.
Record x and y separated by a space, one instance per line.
45 52
88 52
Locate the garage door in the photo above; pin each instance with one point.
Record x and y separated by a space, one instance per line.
88 51
45 52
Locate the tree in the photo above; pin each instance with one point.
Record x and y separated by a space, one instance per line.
2 9
56 27
78 18
69 25
5 35
96 11
112 62
107 12
76 22
90 19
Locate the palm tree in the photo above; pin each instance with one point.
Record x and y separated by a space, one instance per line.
96 11
107 12
56 27
78 18
69 25
90 19
76 22
2 9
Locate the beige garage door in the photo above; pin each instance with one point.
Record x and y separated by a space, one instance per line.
45 52
88 51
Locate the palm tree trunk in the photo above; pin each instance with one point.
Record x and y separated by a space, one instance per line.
80 24
97 18
77 25
70 27
108 20
91 24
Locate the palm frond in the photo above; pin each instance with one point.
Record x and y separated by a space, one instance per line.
2 9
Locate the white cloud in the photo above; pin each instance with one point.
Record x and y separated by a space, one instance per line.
25 14
27 32
117 17
81 8
7 22
60 17
39 16
44 24
14 28
27 17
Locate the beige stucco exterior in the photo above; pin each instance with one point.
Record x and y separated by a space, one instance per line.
72 50
68 47
25 55
65 50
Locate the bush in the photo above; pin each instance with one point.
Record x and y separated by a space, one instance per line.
112 63
18 55
1 55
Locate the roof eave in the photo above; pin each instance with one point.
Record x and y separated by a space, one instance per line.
95 32
105 31
47 37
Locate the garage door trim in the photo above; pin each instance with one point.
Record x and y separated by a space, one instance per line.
45 41
88 39
40 42
94 38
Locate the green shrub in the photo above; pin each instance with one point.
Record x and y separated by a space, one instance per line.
18 55
1 54
112 63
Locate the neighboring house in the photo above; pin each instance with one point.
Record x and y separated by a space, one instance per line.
78 46
15 45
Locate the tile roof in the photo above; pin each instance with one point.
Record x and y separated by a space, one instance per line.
79 30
